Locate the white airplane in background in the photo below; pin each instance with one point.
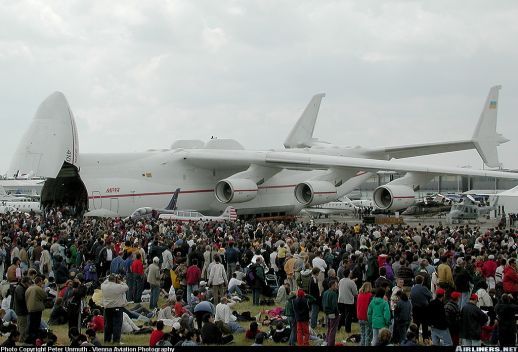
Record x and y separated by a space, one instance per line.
229 214
148 212
10 204
345 206
214 175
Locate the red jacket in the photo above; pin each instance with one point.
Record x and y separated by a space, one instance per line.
137 267
97 323
363 305
510 280
193 275
489 268
156 336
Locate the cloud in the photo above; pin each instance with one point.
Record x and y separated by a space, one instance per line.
139 74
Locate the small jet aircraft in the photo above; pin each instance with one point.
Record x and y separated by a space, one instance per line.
343 207
229 214
148 212
221 172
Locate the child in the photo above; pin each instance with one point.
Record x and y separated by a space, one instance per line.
281 333
92 338
97 322
252 332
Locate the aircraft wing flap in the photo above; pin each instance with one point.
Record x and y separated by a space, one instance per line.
302 161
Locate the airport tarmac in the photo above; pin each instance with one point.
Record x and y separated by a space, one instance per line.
413 221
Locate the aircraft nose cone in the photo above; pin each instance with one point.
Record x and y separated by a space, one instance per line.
55 107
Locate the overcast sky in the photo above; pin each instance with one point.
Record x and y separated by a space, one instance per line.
142 74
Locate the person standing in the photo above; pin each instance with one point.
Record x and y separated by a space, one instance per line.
462 281
258 282
402 316
438 322
153 278
114 299
192 279
506 315
321 264
378 314
420 297
232 256
452 311
217 279
105 258
137 273
445 275
347 292
73 304
301 310
364 298
314 293
20 306
510 279
330 307
471 321
35 297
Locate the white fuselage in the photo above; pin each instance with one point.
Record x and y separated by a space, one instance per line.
125 182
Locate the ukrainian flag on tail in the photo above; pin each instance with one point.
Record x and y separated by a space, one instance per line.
492 104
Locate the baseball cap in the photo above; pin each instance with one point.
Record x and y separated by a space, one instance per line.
474 297
455 294
440 291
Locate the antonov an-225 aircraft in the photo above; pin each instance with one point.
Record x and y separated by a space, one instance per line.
216 174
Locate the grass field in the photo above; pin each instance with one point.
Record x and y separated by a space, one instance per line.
61 331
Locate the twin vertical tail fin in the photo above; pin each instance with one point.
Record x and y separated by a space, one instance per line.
302 133
485 138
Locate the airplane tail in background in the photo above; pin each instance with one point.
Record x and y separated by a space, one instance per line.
2 191
174 199
230 213
485 138
302 133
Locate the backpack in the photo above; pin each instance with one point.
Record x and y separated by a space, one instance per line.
304 280
250 275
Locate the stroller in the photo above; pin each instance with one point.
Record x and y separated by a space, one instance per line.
272 285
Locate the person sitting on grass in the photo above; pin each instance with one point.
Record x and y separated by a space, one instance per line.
12 339
281 334
211 334
92 337
97 322
252 332
191 339
259 340
157 334
59 315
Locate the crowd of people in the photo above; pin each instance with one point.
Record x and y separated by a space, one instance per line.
180 283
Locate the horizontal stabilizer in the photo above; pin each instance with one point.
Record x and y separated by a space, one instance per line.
302 133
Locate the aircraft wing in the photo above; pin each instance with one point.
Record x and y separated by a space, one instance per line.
221 159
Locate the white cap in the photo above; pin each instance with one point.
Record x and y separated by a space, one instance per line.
156 260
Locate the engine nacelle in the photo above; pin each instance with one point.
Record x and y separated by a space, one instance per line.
393 197
315 192
235 190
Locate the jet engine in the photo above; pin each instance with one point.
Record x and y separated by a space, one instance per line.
393 197
235 190
315 192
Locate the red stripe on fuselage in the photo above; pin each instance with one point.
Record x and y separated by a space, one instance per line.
181 192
